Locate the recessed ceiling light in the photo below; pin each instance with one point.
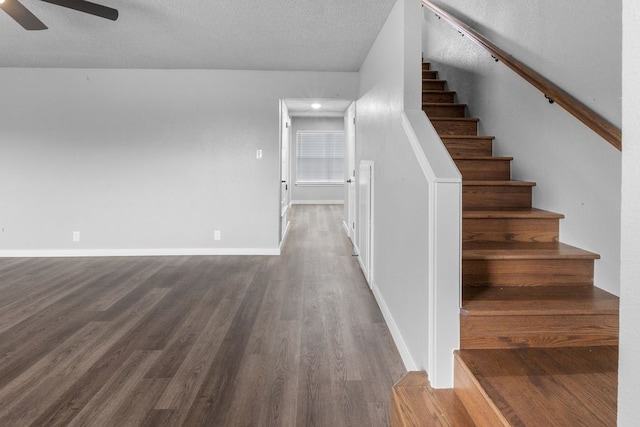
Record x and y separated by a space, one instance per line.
315 106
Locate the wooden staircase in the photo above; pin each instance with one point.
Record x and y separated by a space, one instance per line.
538 341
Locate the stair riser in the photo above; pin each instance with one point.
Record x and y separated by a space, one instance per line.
440 96
495 196
461 148
445 110
433 85
455 127
426 65
429 74
527 272
510 229
487 332
484 170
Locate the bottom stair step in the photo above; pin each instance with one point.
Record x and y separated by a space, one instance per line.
415 403
575 386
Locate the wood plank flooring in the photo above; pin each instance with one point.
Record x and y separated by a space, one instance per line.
294 340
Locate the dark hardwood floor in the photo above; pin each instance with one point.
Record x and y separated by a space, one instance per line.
294 340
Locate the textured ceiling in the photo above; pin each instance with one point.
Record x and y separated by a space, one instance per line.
320 35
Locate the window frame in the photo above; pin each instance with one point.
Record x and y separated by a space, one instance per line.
319 183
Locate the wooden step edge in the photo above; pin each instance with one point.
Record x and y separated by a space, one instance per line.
431 91
444 104
424 79
540 308
415 403
523 251
513 213
455 119
509 183
473 396
476 137
535 312
540 301
484 158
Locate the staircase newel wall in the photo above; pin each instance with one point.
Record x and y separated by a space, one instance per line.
629 369
416 282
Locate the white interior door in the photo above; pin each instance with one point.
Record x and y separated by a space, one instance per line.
350 152
285 148
365 219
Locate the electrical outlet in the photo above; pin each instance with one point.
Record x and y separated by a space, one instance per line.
259 154
216 235
76 236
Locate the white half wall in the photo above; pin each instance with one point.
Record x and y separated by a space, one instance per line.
577 45
145 160
392 132
629 369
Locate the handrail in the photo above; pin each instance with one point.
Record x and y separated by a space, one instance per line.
554 93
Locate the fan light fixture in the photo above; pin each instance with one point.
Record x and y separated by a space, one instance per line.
316 106
29 21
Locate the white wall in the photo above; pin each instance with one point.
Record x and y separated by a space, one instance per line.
577 45
629 369
403 239
146 161
306 193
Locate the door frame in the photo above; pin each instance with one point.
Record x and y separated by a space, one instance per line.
368 264
350 196
285 171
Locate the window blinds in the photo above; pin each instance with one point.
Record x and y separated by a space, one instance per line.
320 157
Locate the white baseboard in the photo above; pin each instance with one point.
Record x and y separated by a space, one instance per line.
346 228
284 236
63 253
317 202
408 361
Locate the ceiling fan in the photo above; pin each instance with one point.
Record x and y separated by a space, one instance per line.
29 21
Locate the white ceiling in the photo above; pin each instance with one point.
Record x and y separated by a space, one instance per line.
328 107
320 35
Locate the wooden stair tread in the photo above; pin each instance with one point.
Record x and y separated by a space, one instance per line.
463 137
548 386
457 119
542 301
486 158
523 250
510 183
518 213
415 403
444 104
434 80
425 91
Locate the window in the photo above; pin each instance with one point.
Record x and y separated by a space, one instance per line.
320 158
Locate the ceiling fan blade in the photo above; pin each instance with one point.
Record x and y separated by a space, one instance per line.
22 15
87 7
